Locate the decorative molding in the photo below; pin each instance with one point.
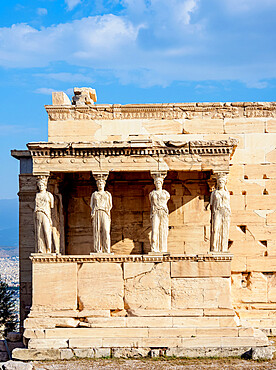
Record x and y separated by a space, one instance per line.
113 149
163 111
52 258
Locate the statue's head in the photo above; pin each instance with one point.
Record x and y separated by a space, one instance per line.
221 181
158 182
100 184
42 182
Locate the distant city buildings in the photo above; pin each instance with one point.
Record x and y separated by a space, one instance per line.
9 270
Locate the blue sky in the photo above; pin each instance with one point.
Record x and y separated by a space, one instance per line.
130 51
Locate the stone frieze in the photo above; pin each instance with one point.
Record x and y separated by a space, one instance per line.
162 111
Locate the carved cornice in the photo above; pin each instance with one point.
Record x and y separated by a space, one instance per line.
110 149
51 258
163 111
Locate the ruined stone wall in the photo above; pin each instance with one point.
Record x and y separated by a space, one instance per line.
252 182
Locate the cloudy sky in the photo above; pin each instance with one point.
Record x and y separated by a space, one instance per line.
130 51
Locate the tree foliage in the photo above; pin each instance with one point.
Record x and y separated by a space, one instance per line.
8 317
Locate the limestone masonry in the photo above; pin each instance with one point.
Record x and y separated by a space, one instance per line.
148 228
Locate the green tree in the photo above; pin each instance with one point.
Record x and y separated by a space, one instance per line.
8 317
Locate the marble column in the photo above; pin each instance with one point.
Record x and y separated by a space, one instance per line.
159 213
44 203
220 215
101 204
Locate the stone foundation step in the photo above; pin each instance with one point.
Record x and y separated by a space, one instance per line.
133 321
173 312
139 337
264 319
257 314
259 323
138 332
256 353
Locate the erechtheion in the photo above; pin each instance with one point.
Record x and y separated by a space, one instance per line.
148 228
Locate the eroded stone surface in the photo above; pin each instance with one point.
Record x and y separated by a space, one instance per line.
24 354
55 286
66 354
130 352
16 365
149 290
262 353
201 293
100 286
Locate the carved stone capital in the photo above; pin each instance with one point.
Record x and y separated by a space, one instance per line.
100 175
42 179
219 174
215 176
158 174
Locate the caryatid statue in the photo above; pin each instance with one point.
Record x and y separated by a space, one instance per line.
101 204
44 202
220 215
159 213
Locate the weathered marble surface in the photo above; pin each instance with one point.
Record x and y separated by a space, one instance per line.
84 96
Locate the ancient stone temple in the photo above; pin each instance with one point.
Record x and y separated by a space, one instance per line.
148 229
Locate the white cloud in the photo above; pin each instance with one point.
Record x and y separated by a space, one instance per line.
185 10
44 90
42 11
257 84
72 3
153 42
88 41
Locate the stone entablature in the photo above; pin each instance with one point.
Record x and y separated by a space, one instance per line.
132 147
162 111
134 155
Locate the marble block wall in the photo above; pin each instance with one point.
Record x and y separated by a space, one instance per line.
155 283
